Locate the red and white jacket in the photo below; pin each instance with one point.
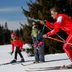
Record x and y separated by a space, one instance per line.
63 22
17 43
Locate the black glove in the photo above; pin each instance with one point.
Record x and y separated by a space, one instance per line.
11 53
71 47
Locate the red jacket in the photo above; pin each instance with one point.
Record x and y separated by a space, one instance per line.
63 22
17 43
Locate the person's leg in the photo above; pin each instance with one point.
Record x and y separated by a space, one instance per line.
68 50
20 54
41 53
36 55
15 58
66 47
16 51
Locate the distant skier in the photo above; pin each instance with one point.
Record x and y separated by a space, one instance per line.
62 22
38 43
16 42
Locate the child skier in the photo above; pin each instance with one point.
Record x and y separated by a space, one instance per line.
15 41
38 43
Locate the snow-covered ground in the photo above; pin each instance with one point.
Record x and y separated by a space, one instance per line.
53 60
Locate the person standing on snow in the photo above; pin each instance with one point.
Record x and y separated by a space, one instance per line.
38 44
16 42
62 22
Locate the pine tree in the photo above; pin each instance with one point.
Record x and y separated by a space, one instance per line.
26 33
40 10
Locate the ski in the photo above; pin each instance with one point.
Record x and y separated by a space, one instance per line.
28 64
18 62
32 63
47 68
42 62
5 64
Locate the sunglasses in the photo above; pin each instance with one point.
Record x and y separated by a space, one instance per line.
13 37
53 13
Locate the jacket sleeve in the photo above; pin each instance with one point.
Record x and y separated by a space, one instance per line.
12 48
58 25
12 45
21 44
48 24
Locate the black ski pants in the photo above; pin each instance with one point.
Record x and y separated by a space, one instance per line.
18 51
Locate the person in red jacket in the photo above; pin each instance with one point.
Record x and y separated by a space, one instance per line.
62 22
16 42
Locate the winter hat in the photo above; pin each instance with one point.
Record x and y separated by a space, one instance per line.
13 33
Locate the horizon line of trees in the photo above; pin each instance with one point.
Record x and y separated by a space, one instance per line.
5 34
39 10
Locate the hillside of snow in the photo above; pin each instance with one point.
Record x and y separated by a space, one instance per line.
51 60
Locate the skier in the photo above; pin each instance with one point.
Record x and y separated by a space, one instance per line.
38 44
62 22
15 41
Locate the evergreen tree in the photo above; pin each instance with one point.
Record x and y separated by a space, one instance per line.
6 26
40 10
4 35
27 34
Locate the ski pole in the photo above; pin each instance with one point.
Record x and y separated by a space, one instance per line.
57 35
56 39
62 40
59 40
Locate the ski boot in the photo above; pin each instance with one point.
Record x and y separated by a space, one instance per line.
35 62
22 60
13 61
42 61
63 67
69 66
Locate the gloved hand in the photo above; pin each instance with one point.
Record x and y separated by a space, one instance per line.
42 22
45 36
35 45
49 33
11 52
40 44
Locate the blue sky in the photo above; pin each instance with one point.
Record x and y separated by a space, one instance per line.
11 12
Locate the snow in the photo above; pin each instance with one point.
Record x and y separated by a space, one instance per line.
57 59
27 46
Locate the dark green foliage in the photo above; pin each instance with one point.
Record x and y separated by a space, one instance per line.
4 35
40 10
27 34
